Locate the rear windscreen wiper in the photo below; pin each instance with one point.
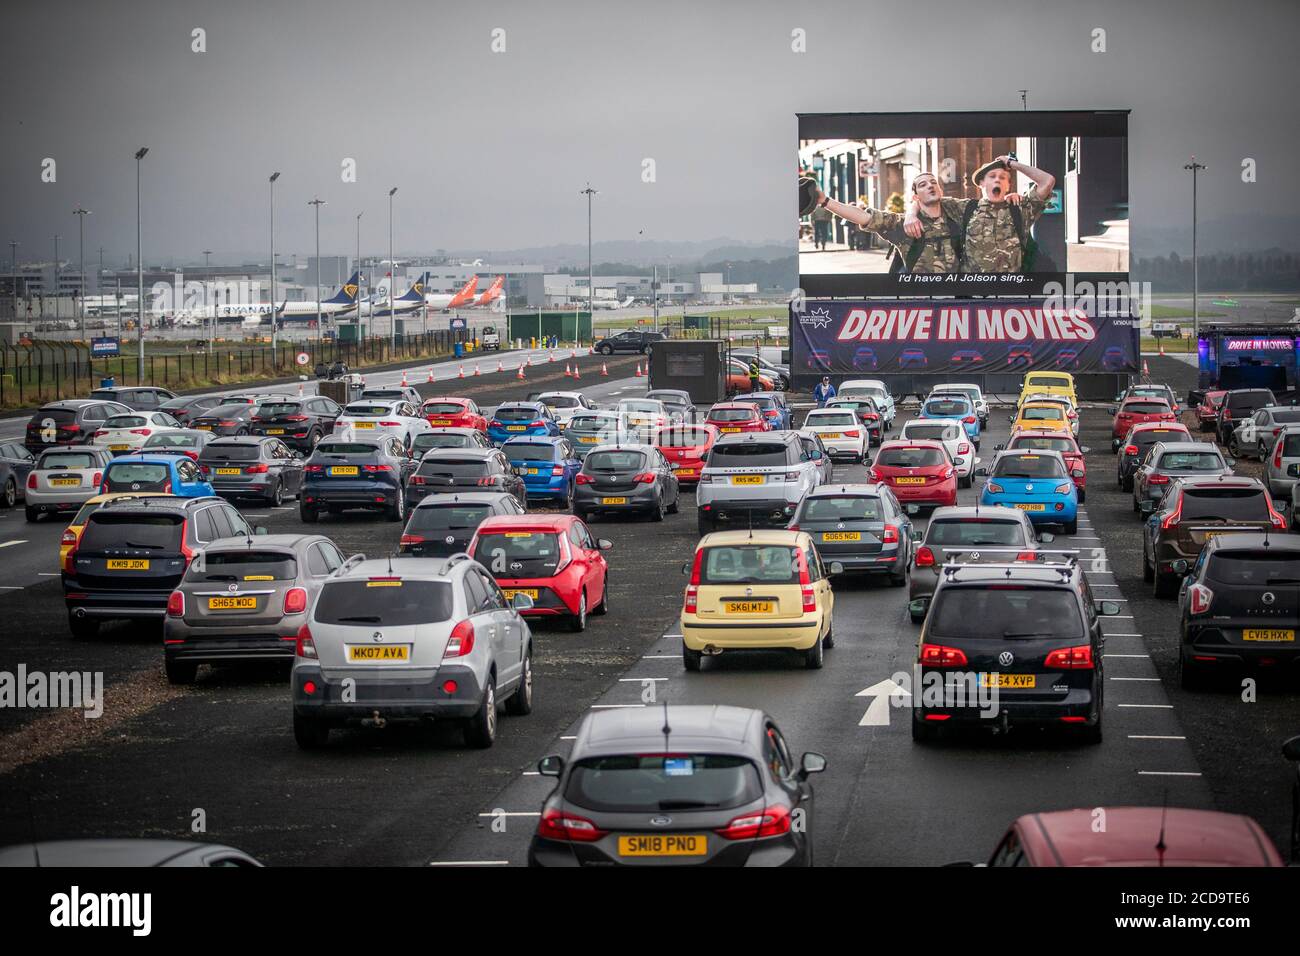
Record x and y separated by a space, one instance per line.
147 547
686 804
364 619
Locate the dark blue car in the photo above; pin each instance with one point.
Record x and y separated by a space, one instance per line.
548 466
521 419
367 473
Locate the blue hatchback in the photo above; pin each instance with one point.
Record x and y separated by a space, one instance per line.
548 466
520 420
177 475
954 406
1035 482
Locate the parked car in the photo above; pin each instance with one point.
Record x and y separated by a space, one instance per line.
378 418
1238 405
234 419
954 406
253 467
840 431
817 453
392 393
138 398
1036 482
448 470
173 474
1165 462
443 525
738 377
1207 412
632 340
952 434
686 448
681 408
868 414
299 422
64 479
626 478
186 407
16 464
772 406
186 441
367 473
779 374
128 432
974 393
447 411
1282 467
643 415
1133 449
1068 447
1255 436
521 418
863 527
69 422
731 418
564 405
917 472
589 429
547 465
449 438
754 479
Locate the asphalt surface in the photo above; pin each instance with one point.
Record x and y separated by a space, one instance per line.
408 796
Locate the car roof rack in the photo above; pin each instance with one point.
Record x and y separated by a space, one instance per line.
1066 569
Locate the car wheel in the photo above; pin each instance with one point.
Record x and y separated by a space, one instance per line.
1190 677
676 506
922 731
277 499
398 510
83 628
481 729
829 640
1082 496
33 514
691 660
1148 575
1165 585
704 523
898 580
964 482
1233 448
11 493
578 622
310 733
308 515
180 672
606 350
603 607
313 438
567 501
657 512
814 657
1126 483
520 702
1072 527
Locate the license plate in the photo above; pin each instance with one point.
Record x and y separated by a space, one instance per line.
343 469
728 429
374 652
1268 634
613 501
119 447
65 482
230 471
370 425
532 471
746 479
663 845
747 607
588 439
832 435
1027 506
909 481
1012 681
440 422
685 471
128 564
275 431
842 536
516 428
232 604
204 428
511 592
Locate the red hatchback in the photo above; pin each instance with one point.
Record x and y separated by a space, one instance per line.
551 558
1207 412
686 447
1136 411
917 472
1056 441
448 412
731 418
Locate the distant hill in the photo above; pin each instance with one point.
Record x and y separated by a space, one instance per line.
635 252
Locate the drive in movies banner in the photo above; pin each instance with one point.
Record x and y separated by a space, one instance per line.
844 337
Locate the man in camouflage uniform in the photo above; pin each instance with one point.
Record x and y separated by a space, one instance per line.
935 248
994 237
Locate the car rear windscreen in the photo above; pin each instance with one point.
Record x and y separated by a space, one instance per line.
1145 408
1254 568
750 564
426 441
842 508
345 448
748 455
1228 504
591 425
911 457
1190 461
732 414
947 408
126 476
1029 466
443 408
53 461
1291 446
658 783
984 532
60 416
275 409
1004 613
1043 443
362 410
640 408
560 401
838 420
615 461
518 554
1042 414
160 532
1287 416
1050 381
447 517
521 451
236 411
392 393
171 440
1252 399
126 421
928 432
455 467
243 566
240 452
1149 436
684 437
384 603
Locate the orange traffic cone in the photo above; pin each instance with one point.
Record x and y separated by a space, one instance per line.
604 370
520 373
462 372
431 373
476 371
404 378
1145 370
550 357
568 372
529 361
300 389
1162 347
638 369
576 375
573 354
501 367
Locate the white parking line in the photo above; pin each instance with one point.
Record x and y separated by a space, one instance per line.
1155 737
10 544
613 706
1167 773
1149 680
10 587
512 813
639 680
571 737
660 657
1122 635
1124 655
48 574
470 863
1149 706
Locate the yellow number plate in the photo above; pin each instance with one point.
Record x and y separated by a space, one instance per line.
230 471
1268 634
343 470
534 471
909 481
1012 681
363 424
128 564
728 429
1027 506
511 592
379 652
842 536
613 501
64 482
516 428
832 435
119 447
275 431
685 471
663 845
746 479
232 604
204 428
747 607
588 439
440 422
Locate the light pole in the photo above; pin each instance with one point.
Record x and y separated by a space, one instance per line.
275 323
207 280
392 269
81 215
591 289
13 254
319 332
359 215
139 265
1195 167
56 280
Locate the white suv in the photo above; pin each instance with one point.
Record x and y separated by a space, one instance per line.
758 477
874 389
952 433
840 430
972 392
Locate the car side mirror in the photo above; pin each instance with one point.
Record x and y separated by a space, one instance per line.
1112 410
1046 537
1107 608
1291 749
1146 506
999 447
916 536
812 763
981 472
521 601
836 568
1232 463
550 765
259 530
918 607
1181 566
1085 449
913 509
604 544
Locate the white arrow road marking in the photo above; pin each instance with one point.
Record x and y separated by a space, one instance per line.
877 714
9 544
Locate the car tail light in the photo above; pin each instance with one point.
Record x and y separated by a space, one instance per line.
851 434
963 449
806 589
890 535
416 479
1171 520
411 539
693 588
1199 598
537 424
1027 556
924 557
31 480
489 480
96 435
1278 521
1167 416
295 601
99 476
947 473
645 478
260 469
69 537
295 418
371 469
391 424
461 641
1072 413
1158 480
229 422
257 418
557 470
313 469
1277 455
1064 489
584 479
186 550
305 647
773 821
871 417
176 604
558 825
1130 449
339 424
969 419
494 423
142 431
937 655
1078 657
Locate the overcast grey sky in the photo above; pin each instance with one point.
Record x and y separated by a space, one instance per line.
490 149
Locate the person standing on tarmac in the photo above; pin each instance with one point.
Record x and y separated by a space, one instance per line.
753 376
823 391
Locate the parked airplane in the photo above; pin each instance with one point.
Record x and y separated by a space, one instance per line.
342 302
409 301
612 303
445 300
493 292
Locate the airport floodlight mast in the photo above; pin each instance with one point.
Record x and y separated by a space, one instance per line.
358 270
591 289
81 215
13 254
139 266
392 271
275 355
320 334
1195 167
207 281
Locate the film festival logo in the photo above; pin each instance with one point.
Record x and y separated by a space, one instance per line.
817 318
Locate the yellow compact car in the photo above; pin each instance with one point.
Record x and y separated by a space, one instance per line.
757 590
1049 383
1042 416
72 534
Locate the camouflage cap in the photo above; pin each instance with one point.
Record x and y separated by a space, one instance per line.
980 173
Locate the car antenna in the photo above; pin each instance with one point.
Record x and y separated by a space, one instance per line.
390 562
666 728
1160 841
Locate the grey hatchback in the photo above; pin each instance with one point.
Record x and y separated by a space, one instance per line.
693 785
414 639
243 601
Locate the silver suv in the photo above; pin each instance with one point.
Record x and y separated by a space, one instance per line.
1282 465
757 476
411 638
